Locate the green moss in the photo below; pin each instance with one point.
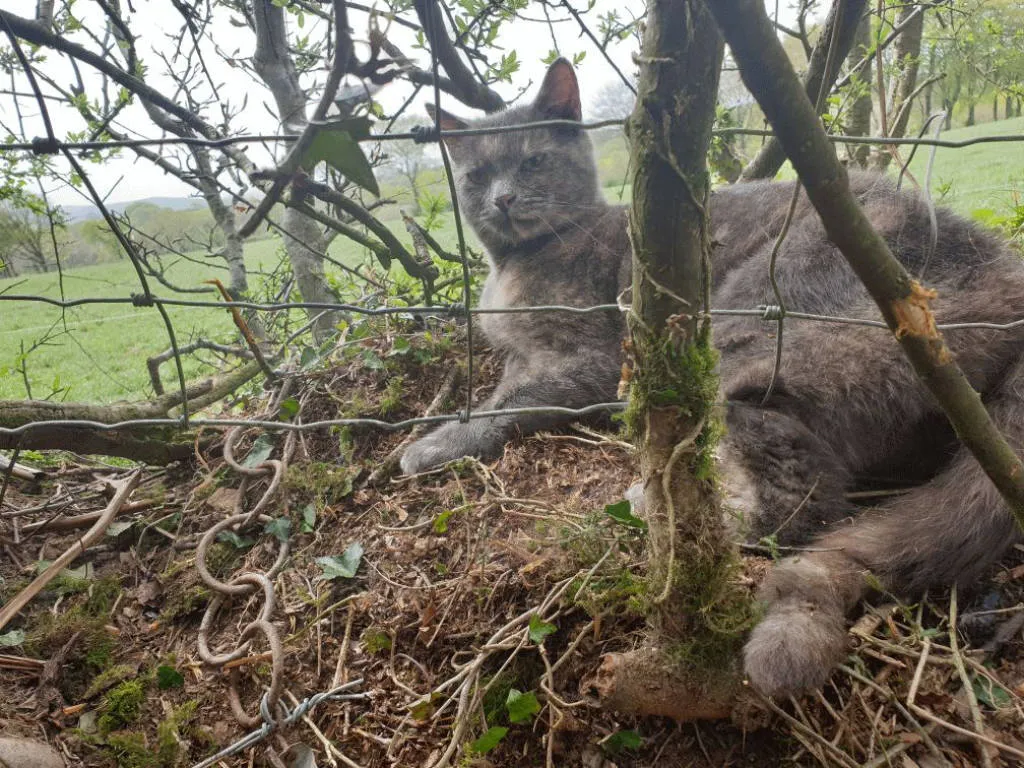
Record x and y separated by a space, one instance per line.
121 705
679 382
131 750
327 483
183 602
171 733
102 593
107 679
391 401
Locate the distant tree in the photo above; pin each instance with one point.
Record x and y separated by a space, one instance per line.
614 100
28 238
409 159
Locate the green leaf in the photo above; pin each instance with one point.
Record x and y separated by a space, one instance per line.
308 358
621 513
12 638
441 521
372 360
399 346
260 451
990 693
168 677
337 144
232 538
118 527
343 565
521 706
289 408
308 519
621 740
488 741
424 710
539 629
280 528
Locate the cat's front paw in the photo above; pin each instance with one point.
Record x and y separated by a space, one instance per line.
430 452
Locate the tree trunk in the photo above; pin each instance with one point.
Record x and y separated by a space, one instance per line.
304 242
845 13
858 123
908 59
697 611
970 114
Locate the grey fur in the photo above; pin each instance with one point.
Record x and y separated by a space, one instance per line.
847 410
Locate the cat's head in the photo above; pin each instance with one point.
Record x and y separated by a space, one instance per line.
520 185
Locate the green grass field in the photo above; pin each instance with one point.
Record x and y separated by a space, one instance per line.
982 176
97 353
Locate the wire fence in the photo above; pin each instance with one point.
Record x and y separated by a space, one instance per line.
146 299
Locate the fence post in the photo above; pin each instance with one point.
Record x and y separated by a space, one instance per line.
696 610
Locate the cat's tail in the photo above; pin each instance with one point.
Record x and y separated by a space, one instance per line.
947 531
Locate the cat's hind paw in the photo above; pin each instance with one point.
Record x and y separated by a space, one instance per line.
794 648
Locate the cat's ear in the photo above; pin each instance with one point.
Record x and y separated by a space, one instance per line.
448 122
559 97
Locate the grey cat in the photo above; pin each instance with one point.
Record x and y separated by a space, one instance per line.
847 411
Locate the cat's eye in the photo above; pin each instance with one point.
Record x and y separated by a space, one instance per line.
532 163
478 175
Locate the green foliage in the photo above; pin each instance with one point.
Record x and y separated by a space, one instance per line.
621 513
326 483
376 641
621 741
108 678
121 705
171 732
168 677
491 738
521 706
540 629
342 566
337 144
131 750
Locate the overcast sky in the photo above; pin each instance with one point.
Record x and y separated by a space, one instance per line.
155 21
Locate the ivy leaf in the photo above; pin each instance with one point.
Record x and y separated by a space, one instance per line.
521 706
168 677
341 566
118 527
989 693
488 741
337 144
232 538
289 408
539 629
280 528
12 638
308 519
441 521
621 740
621 513
260 451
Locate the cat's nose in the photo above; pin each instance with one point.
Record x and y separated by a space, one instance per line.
504 202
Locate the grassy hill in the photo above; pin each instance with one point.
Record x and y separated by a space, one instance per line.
98 352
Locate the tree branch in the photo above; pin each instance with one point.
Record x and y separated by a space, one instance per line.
466 88
768 75
845 13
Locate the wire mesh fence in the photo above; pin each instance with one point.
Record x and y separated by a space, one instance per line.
147 299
